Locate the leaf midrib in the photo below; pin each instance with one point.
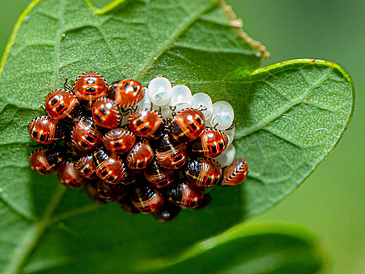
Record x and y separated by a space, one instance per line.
35 232
179 31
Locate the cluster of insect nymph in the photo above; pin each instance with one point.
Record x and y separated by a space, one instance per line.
153 151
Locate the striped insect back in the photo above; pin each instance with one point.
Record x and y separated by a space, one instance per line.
119 140
145 123
159 176
133 176
62 104
109 169
46 161
73 151
185 195
187 125
211 143
105 113
169 155
203 172
86 167
69 177
85 136
46 130
126 93
111 192
140 156
89 87
235 173
147 199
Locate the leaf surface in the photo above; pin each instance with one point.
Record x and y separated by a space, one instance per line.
263 248
259 248
288 118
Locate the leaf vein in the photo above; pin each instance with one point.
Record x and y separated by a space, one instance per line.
31 240
174 37
213 49
276 89
13 209
47 14
111 50
277 114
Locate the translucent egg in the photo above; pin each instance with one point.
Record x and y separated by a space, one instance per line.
208 122
204 102
160 91
223 115
181 97
226 158
166 112
145 102
230 134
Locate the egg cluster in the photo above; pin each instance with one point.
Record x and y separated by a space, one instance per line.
153 151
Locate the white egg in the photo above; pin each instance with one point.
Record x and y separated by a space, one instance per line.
160 91
204 102
223 115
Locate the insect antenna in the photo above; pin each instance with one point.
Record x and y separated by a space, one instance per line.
230 127
67 86
173 108
202 108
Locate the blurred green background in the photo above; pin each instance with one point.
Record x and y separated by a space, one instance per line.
331 203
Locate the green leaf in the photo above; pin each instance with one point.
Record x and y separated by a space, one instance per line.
288 118
259 248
